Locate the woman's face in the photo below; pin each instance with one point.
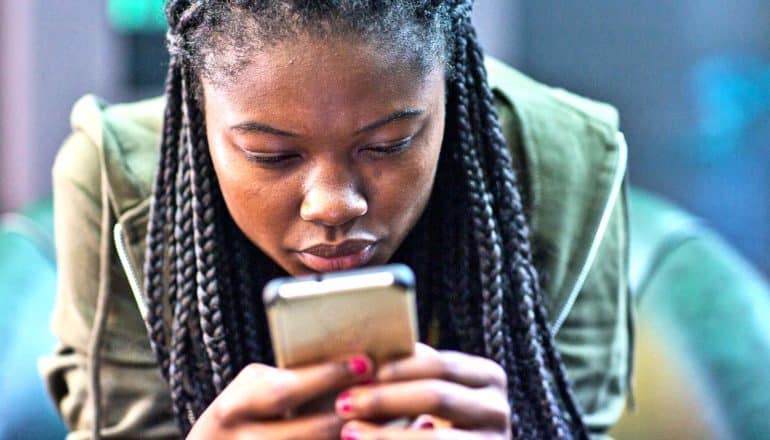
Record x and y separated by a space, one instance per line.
326 151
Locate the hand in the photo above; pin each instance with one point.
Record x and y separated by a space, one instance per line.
452 394
255 403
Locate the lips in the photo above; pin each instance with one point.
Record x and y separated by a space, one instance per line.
332 257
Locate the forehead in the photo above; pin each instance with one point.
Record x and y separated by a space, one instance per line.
322 80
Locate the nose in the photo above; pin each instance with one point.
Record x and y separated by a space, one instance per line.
333 199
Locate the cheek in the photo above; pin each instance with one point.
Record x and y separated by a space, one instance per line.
402 191
404 188
260 206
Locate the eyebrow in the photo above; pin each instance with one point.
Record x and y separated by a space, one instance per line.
401 114
253 126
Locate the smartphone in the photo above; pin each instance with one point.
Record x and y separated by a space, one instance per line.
319 317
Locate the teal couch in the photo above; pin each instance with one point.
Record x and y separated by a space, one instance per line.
703 331
27 285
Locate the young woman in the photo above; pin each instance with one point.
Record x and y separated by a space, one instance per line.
303 137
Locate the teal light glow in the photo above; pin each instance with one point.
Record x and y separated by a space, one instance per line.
136 15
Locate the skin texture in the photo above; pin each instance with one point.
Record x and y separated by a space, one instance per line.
334 182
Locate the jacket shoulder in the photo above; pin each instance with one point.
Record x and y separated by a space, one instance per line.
539 100
126 139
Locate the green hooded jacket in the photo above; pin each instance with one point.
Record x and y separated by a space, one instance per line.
572 160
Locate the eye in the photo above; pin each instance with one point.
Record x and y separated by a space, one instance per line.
270 160
381 151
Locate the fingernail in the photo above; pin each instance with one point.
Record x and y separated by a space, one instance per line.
359 365
349 434
344 402
426 424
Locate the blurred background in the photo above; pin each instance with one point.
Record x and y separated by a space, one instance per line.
691 80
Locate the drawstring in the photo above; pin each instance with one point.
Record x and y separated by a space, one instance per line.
102 304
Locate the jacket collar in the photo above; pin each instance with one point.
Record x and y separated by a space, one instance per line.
127 136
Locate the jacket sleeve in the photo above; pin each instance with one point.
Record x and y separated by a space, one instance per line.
596 339
134 397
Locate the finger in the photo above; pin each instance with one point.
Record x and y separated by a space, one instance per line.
261 391
453 366
316 426
462 406
359 430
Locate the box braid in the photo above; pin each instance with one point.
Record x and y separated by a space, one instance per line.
528 334
203 277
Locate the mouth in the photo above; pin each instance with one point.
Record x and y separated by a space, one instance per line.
333 257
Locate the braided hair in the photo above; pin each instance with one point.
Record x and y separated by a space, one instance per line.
203 273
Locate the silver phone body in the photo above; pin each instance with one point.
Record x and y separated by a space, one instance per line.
320 317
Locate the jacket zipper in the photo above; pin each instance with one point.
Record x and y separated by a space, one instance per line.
617 183
128 267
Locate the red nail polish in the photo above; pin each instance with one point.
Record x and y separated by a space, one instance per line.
427 424
344 402
359 365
